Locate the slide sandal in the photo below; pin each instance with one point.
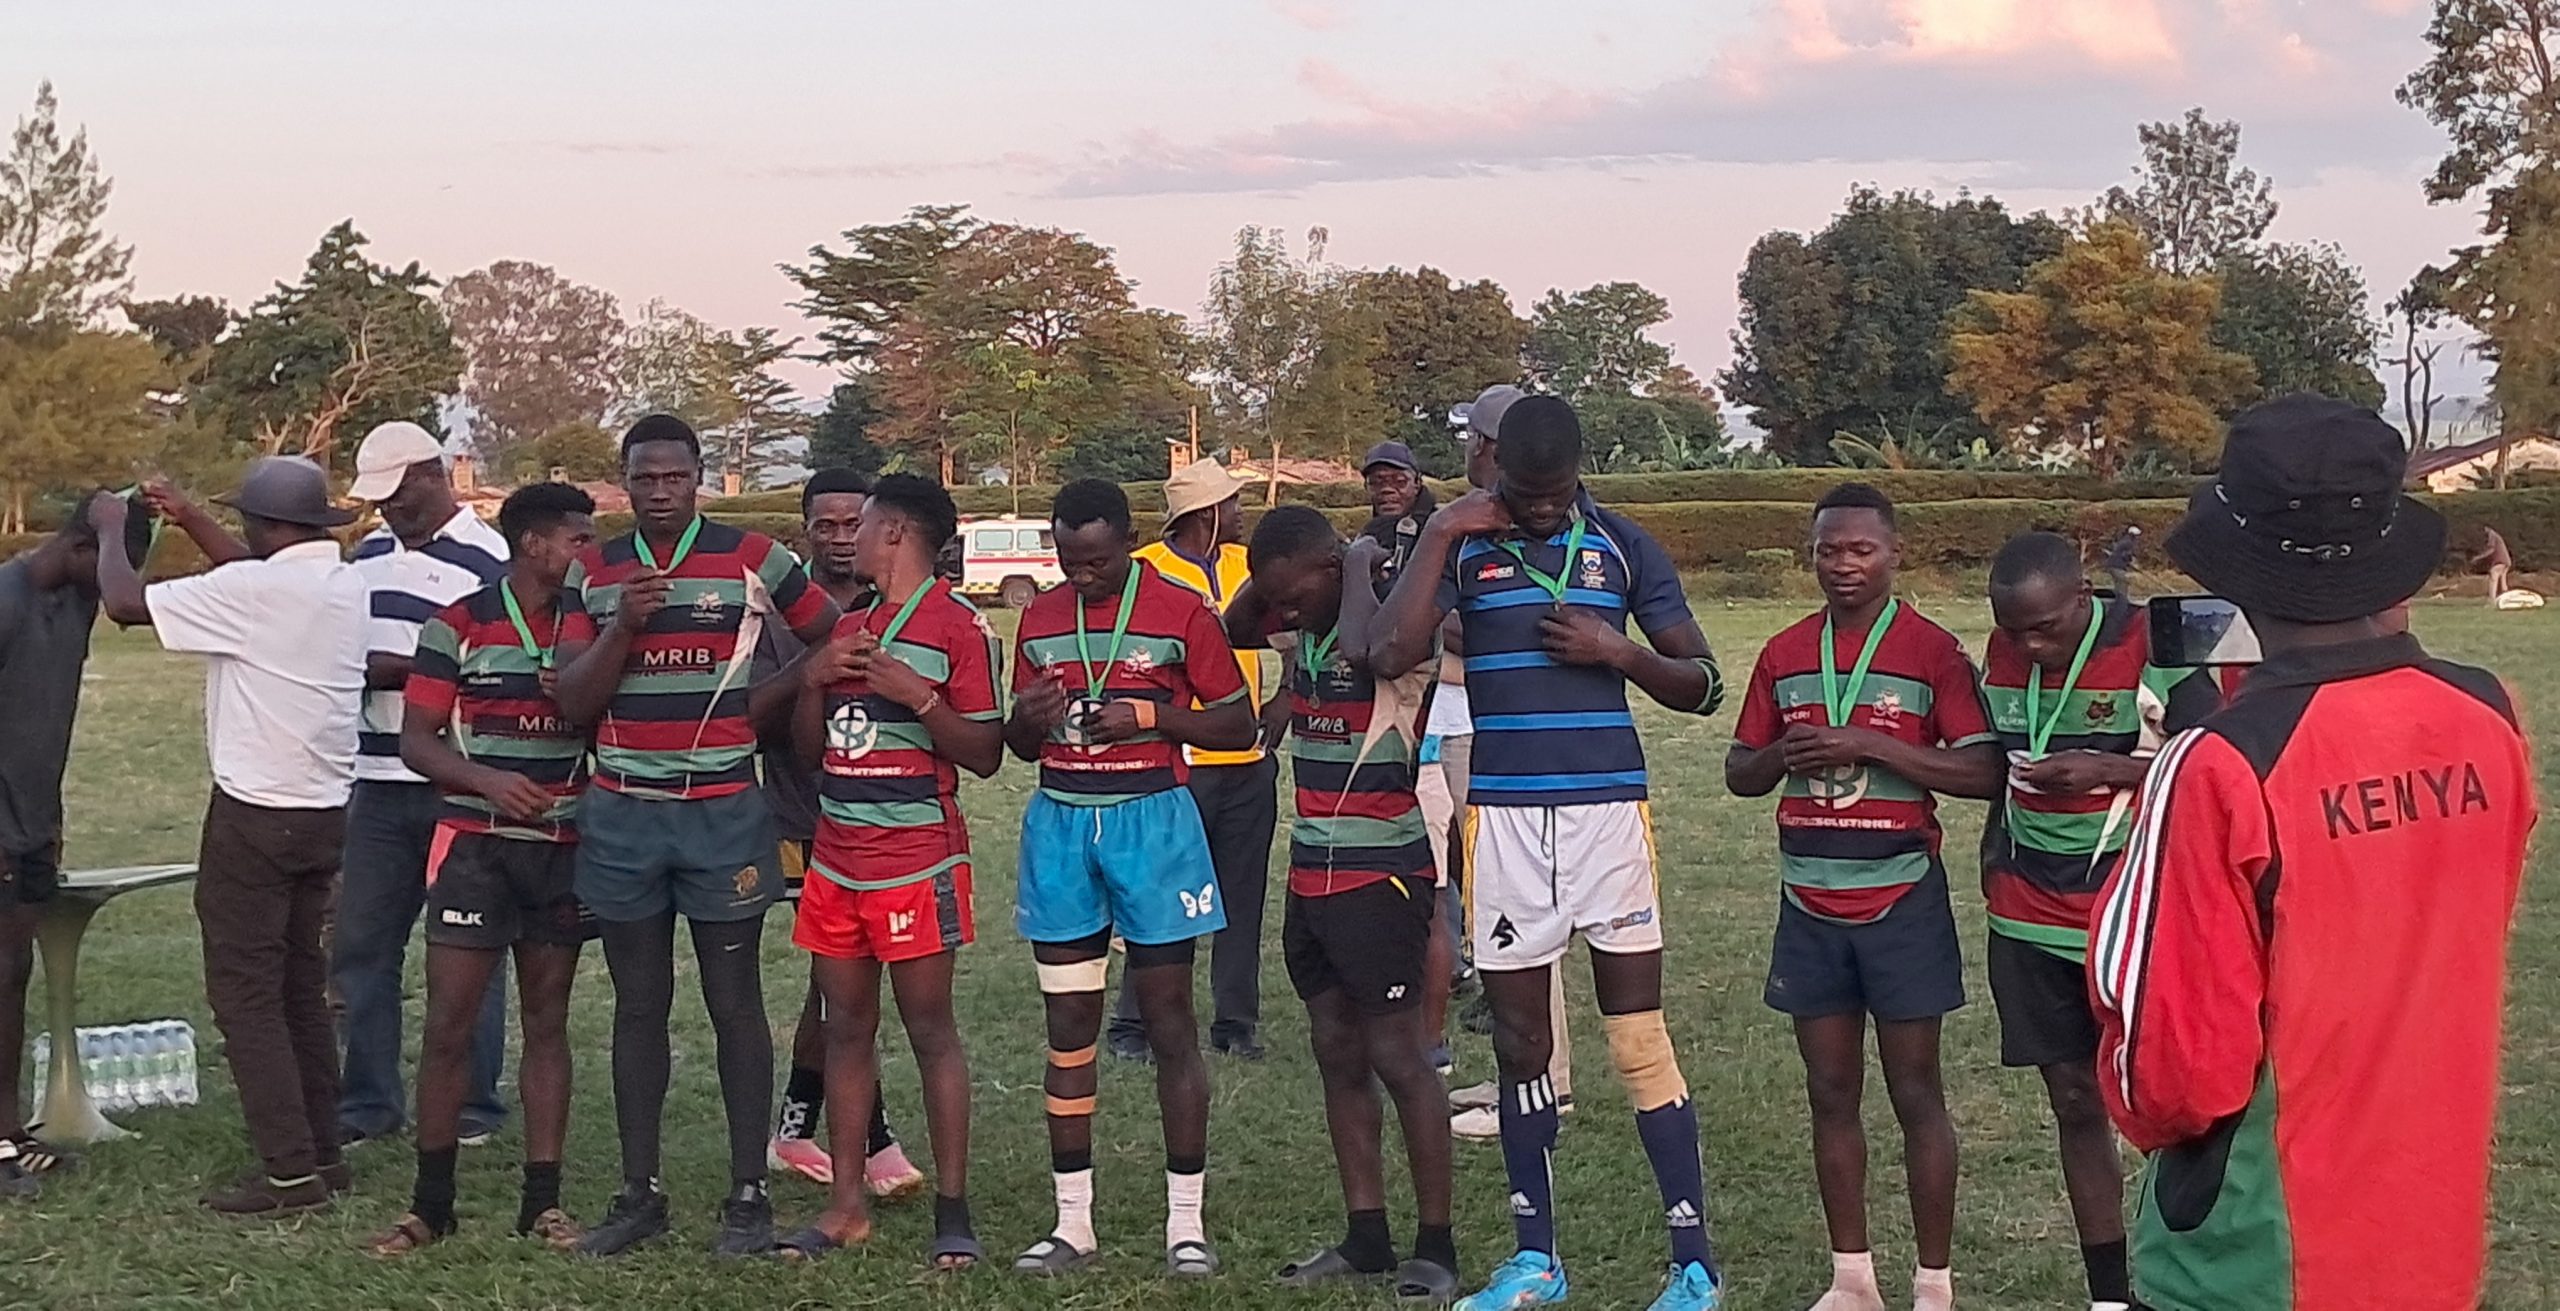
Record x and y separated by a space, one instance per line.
810 1244
955 1252
1428 1283
1190 1259
1325 1267
1050 1258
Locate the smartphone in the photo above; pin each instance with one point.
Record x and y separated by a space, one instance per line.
2192 631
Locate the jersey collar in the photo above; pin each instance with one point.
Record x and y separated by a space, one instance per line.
2312 666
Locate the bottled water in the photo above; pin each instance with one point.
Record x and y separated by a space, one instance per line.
127 1066
37 1064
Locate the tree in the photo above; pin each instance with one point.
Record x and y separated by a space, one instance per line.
1595 339
183 326
858 294
541 352
57 265
2298 313
2194 206
2419 309
1846 331
75 411
1440 343
752 413
2102 353
840 438
318 362
1675 428
665 367
579 451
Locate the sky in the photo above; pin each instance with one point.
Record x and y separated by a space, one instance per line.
683 151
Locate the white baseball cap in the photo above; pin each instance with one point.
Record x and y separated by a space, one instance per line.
388 452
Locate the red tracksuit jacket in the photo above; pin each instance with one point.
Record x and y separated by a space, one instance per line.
2299 969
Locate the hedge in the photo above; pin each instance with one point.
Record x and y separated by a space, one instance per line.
1801 486
1737 535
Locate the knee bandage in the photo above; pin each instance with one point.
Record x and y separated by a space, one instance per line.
1641 1049
1074 977
1062 1068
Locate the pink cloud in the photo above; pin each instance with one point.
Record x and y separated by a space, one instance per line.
1313 15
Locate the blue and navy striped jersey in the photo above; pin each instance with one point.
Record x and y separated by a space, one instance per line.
1549 734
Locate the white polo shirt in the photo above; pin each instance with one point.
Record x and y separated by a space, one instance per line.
285 641
406 588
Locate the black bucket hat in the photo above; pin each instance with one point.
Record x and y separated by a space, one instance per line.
2307 521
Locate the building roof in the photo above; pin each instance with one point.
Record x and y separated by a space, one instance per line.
2437 459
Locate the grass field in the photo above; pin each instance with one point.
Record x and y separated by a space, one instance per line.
126 1231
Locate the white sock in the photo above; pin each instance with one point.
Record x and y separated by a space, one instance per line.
1853 1284
1933 1290
2110 1306
1182 1208
1075 1207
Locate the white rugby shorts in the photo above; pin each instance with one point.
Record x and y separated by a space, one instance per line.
1536 875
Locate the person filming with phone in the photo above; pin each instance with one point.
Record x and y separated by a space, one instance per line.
2299 964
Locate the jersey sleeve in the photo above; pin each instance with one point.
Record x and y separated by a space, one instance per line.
795 598
1759 725
201 615
1207 661
971 690
577 619
1956 711
435 678
1654 595
2178 964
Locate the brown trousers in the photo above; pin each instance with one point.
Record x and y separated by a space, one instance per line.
264 882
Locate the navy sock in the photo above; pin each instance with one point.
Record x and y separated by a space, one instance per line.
1528 1120
432 1200
541 1193
2108 1281
1367 1245
1670 1135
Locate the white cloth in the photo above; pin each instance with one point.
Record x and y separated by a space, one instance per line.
285 637
1536 875
404 589
1449 712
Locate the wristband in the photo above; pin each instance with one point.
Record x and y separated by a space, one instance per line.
1715 687
1146 712
931 700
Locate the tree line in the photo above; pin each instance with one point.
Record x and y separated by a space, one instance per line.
1909 331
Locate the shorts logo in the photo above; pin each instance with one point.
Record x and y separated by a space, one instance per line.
461 919
1494 571
1505 933
1633 919
747 881
1203 903
851 733
1395 992
902 925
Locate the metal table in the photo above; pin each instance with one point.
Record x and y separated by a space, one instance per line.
70 1118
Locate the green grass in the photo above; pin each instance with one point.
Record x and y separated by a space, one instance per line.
126 1230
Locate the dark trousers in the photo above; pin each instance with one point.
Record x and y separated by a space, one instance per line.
389 829
1240 807
263 884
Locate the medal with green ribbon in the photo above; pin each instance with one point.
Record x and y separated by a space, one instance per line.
906 612
1840 702
1095 676
524 632
684 547
1316 653
2040 726
1553 583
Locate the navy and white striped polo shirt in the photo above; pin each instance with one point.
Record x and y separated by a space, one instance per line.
1549 734
407 588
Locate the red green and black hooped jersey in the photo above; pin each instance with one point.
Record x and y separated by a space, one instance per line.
1852 841
2044 856
1357 821
1175 652
677 726
879 772
472 671
2300 972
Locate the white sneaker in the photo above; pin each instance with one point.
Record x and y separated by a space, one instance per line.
1478 1123
1473 1096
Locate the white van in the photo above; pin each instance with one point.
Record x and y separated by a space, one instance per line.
1009 559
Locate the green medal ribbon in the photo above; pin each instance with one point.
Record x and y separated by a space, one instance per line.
524 631
906 612
1553 583
1316 653
2040 726
1838 702
684 547
1093 678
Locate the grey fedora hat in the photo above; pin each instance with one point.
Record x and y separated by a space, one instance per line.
287 489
